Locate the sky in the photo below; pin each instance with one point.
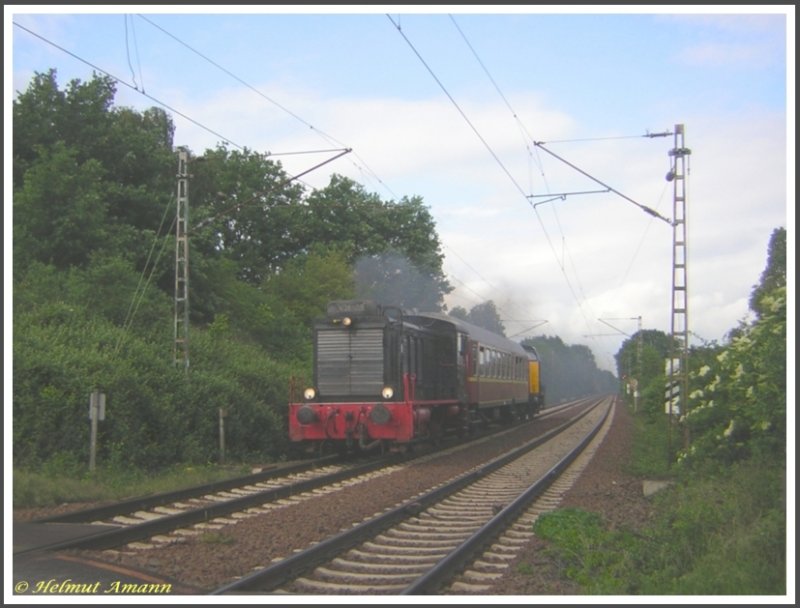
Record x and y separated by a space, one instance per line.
532 134
538 137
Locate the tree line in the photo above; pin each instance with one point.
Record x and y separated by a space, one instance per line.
94 274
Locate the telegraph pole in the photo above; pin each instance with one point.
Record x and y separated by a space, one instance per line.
181 346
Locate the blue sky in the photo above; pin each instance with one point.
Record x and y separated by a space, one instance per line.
445 102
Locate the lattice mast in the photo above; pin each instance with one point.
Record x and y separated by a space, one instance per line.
679 357
181 346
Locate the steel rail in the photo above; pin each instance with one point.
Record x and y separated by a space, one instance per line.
271 577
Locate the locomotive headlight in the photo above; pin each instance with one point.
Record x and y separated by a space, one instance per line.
347 321
387 392
309 393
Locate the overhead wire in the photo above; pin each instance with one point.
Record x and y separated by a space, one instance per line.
455 104
280 106
325 136
653 212
141 289
128 54
321 133
491 151
127 84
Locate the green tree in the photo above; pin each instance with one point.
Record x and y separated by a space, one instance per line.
87 176
389 243
737 408
94 197
485 315
244 209
774 275
59 210
570 371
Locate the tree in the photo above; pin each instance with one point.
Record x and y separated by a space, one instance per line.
390 278
459 312
569 371
387 242
59 210
94 195
774 275
245 209
87 176
485 315
737 405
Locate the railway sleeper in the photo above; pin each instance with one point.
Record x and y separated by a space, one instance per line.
305 584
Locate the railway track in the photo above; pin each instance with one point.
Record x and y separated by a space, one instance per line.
471 524
164 518
170 517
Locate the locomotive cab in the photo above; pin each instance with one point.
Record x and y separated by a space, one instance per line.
379 375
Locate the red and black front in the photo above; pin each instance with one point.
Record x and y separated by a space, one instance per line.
379 376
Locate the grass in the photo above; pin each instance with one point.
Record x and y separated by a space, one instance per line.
721 533
55 484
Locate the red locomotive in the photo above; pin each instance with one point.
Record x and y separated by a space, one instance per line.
384 376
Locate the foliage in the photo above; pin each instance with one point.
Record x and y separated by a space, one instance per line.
483 315
245 209
721 535
569 371
739 411
87 176
65 480
94 293
721 530
737 406
774 275
592 556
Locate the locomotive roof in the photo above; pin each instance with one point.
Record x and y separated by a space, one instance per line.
371 308
482 335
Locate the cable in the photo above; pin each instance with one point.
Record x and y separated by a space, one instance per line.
136 301
460 111
328 138
120 81
529 138
128 53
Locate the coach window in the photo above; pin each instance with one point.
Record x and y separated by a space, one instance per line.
421 343
412 352
473 370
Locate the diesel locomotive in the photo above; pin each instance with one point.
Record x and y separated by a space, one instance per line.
384 377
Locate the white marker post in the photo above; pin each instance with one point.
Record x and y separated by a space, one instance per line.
97 411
